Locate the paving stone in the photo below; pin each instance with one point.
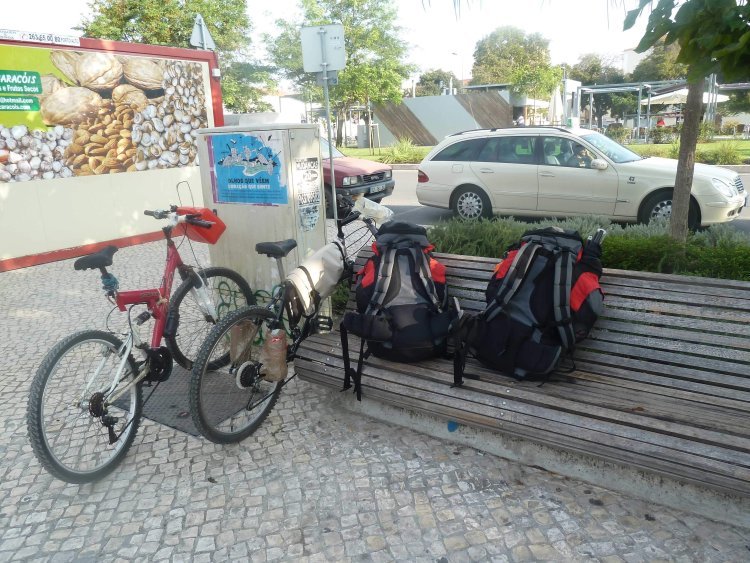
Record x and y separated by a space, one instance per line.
314 483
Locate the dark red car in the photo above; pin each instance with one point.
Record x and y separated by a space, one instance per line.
355 176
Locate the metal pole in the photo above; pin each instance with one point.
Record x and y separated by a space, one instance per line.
648 116
591 109
324 64
638 123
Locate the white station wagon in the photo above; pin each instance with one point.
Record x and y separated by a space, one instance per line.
556 171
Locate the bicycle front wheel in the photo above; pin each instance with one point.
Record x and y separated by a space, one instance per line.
69 420
229 396
226 289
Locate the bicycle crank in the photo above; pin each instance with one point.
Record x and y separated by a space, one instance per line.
159 363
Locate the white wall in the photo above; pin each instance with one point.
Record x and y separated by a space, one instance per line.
48 215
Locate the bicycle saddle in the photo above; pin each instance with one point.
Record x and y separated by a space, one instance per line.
100 259
276 249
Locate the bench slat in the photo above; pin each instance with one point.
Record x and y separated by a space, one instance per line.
659 384
663 384
691 350
698 327
528 393
594 440
600 448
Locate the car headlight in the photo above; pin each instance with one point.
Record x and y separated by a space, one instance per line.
351 180
387 174
724 187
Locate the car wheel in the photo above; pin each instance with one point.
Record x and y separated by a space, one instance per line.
471 203
659 206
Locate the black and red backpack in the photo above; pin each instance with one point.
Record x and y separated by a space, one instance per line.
543 298
402 301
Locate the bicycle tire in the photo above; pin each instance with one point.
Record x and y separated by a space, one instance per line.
228 289
218 403
91 456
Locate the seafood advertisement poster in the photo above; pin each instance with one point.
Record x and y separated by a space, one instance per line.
249 168
66 113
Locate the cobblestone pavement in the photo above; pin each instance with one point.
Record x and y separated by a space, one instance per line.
315 483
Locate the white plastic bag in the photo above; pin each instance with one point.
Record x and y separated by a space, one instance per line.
316 278
373 210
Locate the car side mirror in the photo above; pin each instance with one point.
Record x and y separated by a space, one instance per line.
599 164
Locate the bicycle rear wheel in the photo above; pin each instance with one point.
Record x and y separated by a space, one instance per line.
228 292
67 408
229 397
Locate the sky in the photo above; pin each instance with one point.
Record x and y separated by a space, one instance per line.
436 37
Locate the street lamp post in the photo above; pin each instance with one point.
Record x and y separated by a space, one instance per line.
461 60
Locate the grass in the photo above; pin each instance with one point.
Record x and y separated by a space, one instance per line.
381 155
742 147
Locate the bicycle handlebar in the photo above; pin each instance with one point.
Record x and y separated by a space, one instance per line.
192 219
200 223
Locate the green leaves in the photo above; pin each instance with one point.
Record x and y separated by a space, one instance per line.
375 54
508 55
170 22
711 34
430 82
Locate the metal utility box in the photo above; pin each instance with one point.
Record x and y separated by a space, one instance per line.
265 182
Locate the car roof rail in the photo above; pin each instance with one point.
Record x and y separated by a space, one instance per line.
480 129
557 127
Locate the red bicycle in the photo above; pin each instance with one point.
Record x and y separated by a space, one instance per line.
86 398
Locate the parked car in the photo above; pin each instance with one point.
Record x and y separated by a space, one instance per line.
557 171
355 176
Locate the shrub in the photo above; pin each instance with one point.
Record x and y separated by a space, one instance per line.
719 251
727 153
729 127
674 149
339 297
649 150
705 156
661 135
404 152
706 132
618 134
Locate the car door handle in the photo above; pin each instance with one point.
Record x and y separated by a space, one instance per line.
547 174
486 171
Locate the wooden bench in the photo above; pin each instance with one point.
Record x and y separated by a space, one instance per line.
662 386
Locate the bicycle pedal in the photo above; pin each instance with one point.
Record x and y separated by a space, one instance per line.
323 324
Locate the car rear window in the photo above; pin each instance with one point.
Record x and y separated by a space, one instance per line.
462 151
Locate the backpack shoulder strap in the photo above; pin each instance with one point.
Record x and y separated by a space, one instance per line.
422 263
382 280
562 286
512 280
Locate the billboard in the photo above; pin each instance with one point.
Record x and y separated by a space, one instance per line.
70 113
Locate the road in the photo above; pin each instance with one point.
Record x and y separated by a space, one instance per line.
404 203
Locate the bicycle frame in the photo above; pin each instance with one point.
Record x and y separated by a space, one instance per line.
157 300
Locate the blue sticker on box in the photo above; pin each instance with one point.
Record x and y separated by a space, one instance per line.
248 168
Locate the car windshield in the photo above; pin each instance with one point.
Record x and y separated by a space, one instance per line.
613 150
324 149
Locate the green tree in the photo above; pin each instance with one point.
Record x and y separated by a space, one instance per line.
509 55
712 35
592 69
432 82
660 64
739 102
375 54
170 22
